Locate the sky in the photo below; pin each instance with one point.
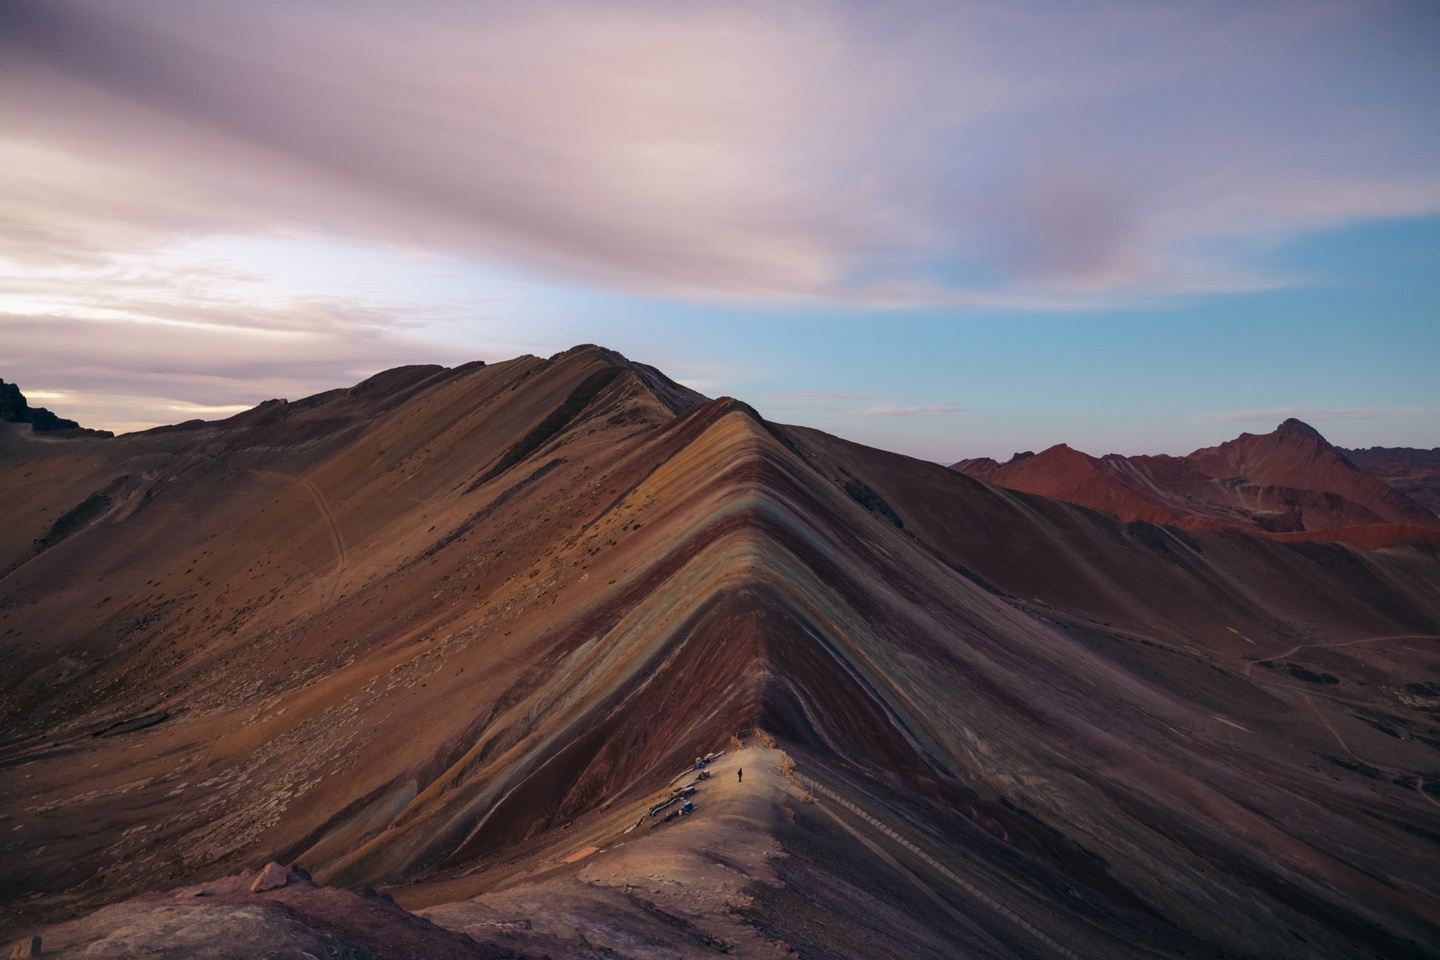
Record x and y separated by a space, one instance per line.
949 229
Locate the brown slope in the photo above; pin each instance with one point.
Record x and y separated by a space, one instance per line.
436 636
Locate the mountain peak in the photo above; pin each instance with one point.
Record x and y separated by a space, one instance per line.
1298 429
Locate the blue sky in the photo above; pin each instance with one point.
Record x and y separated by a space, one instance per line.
1353 349
949 229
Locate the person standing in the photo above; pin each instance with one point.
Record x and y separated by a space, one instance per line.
740 775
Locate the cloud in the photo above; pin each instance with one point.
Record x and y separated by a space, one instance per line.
1019 156
122 412
1008 156
140 340
118 374
1318 414
818 397
845 405
910 411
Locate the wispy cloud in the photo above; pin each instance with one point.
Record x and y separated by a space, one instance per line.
986 154
144 340
801 398
838 404
125 412
1274 415
119 374
910 411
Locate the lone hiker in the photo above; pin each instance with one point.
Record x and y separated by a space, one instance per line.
740 775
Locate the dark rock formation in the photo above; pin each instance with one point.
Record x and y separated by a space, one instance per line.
15 409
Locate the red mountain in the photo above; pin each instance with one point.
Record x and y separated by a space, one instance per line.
1291 481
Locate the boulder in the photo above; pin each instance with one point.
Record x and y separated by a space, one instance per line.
271 877
29 947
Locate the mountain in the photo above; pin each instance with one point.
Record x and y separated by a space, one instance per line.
1415 473
15 409
1297 457
1291 482
455 633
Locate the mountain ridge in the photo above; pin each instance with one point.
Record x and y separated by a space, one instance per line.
1289 482
335 633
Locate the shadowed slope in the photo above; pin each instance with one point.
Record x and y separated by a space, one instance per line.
1414 472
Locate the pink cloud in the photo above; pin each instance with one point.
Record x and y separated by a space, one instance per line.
984 155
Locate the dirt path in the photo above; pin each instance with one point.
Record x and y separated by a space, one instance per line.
336 538
341 557
1420 788
1330 646
1326 723
1340 741
696 875
668 889
1320 714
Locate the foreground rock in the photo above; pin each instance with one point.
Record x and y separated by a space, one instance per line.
272 877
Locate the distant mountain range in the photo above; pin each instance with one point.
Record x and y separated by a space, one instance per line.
1290 482
467 636
1415 473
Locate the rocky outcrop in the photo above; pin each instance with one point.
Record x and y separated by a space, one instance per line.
15 409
